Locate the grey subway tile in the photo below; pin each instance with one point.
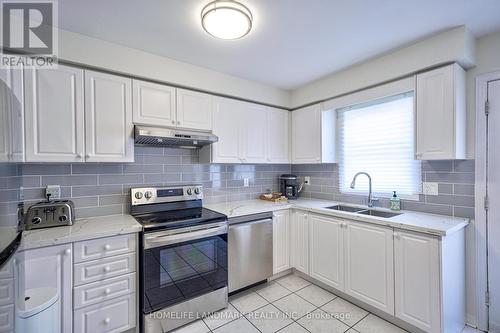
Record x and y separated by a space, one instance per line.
442 177
464 166
462 189
437 166
82 191
69 180
96 169
105 200
121 179
46 169
98 211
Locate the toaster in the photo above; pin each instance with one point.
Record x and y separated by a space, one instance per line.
47 214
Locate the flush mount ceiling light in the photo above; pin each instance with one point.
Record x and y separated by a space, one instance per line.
226 19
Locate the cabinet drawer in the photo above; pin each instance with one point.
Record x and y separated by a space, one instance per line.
7 270
6 291
116 315
100 291
7 318
104 247
101 269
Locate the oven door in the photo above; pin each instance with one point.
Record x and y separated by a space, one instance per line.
181 264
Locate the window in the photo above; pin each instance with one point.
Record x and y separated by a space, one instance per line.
378 137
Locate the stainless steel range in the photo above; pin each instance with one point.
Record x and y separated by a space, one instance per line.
183 256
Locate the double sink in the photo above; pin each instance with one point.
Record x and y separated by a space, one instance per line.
363 211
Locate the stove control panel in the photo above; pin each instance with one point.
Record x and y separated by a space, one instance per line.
151 195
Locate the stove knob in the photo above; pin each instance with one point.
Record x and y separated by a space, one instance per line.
197 190
189 191
138 195
36 220
148 195
63 218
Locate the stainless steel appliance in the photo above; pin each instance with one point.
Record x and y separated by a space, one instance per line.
172 137
49 213
289 186
183 256
250 250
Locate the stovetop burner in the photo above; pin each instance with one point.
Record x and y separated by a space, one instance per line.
178 218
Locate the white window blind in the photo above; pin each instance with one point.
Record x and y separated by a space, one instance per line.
378 138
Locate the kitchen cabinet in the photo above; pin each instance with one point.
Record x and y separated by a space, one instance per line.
300 241
278 136
49 267
54 114
326 236
369 264
416 267
4 118
108 118
154 104
12 115
194 110
254 143
306 135
441 114
281 241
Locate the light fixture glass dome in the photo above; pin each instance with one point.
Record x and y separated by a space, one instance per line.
226 19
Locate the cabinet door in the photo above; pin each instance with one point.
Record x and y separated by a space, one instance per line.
16 116
194 110
108 118
54 114
437 112
300 241
281 241
254 130
326 236
278 136
369 264
416 266
154 104
5 105
227 118
49 267
306 135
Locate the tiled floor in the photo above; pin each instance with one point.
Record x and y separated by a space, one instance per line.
291 305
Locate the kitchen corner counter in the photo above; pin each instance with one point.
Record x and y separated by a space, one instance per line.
82 229
438 225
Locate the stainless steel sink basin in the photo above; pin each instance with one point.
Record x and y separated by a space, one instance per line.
378 213
344 208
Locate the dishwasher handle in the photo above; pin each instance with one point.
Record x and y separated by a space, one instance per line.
241 224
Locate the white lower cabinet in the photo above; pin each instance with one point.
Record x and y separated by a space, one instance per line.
369 264
281 241
300 241
327 250
416 268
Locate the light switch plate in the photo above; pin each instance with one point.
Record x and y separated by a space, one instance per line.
430 188
307 180
54 191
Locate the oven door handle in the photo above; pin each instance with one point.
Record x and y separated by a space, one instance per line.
156 241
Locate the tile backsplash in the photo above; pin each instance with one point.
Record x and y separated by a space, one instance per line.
103 189
455 179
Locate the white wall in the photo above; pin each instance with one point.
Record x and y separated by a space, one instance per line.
85 50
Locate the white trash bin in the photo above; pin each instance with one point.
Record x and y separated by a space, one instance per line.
38 312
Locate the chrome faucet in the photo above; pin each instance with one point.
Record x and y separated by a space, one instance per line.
371 200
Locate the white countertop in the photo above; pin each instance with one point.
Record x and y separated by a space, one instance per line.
439 225
82 229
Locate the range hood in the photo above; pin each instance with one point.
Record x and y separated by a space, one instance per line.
172 137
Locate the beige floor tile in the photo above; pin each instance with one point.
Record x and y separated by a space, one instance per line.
316 295
241 325
272 291
293 328
293 282
268 319
374 324
195 327
220 318
294 306
344 311
247 301
321 322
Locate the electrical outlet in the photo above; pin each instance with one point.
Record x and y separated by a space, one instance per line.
430 188
246 182
21 193
307 180
54 191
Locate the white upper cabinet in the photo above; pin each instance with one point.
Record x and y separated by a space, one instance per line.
306 135
12 115
194 110
326 236
441 117
281 241
54 112
154 104
108 118
369 264
254 129
5 105
278 136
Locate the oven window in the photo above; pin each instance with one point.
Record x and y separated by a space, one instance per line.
179 272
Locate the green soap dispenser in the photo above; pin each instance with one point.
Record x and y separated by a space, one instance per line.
395 202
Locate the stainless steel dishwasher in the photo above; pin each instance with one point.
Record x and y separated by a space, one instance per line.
250 250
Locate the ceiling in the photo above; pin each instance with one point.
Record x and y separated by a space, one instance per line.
293 41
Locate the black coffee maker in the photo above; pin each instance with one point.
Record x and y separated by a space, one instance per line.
289 186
